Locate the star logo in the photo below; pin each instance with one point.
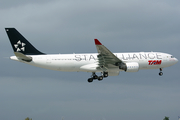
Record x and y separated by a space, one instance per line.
20 46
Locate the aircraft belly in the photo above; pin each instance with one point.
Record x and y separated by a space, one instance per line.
66 67
42 63
70 66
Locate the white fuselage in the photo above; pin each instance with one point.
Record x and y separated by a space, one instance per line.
89 62
104 61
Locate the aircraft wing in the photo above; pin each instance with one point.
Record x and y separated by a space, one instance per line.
106 57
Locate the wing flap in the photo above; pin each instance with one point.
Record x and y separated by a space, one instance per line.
106 57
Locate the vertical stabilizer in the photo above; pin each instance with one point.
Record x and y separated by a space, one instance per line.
20 44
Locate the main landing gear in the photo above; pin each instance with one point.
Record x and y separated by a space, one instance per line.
160 73
94 76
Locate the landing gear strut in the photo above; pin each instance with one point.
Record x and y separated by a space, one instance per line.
160 73
94 76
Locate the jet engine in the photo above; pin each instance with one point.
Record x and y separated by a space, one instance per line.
130 67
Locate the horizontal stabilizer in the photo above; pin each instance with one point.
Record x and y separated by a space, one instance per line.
23 57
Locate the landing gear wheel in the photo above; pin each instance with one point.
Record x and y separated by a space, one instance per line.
160 73
95 77
90 80
100 78
105 74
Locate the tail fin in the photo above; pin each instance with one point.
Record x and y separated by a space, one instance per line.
20 44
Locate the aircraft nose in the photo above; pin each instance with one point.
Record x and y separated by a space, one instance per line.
173 61
176 60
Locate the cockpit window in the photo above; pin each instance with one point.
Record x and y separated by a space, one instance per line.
172 56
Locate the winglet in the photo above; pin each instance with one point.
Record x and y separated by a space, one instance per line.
97 42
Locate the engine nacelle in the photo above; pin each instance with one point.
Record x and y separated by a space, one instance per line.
130 67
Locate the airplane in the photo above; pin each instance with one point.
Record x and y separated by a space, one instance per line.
104 62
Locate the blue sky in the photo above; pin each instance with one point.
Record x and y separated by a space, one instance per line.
67 26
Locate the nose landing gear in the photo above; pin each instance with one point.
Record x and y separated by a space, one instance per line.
160 73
